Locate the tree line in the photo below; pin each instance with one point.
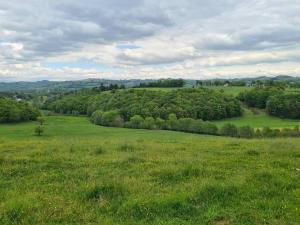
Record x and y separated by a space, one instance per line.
200 103
16 111
275 100
164 83
113 118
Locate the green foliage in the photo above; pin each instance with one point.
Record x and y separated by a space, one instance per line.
40 120
16 111
246 132
258 97
184 103
96 117
136 122
284 106
160 123
39 130
229 130
111 118
73 104
149 123
164 83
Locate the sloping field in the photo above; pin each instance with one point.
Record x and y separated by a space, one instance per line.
78 173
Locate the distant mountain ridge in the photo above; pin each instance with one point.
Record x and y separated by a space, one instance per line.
90 83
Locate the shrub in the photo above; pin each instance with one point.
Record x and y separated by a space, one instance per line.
245 132
284 106
185 124
172 122
258 133
96 117
160 123
229 130
149 123
112 119
41 120
209 128
136 122
39 130
258 97
267 132
14 111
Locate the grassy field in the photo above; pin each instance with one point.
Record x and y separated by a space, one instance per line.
259 119
78 173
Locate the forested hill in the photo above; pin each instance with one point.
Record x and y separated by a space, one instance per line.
199 103
66 86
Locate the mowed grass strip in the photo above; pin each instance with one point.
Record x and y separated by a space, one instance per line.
78 173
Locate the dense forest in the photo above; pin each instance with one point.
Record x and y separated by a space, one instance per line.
258 97
275 100
184 103
164 83
284 106
16 111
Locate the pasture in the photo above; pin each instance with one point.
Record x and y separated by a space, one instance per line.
258 119
78 173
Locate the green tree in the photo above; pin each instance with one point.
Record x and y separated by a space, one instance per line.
136 121
246 132
229 130
149 123
112 118
41 120
96 117
39 130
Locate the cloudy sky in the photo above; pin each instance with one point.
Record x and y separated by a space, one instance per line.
118 39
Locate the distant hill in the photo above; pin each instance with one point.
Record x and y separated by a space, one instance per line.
46 85
261 78
50 86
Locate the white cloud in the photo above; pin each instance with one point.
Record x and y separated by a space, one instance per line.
189 39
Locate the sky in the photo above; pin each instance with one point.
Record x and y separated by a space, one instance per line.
141 39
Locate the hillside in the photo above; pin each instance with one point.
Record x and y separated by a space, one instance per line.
86 174
90 83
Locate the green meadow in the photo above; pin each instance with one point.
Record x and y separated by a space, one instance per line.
258 119
78 173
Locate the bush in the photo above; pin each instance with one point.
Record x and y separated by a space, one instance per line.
245 132
136 122
284 106
267 132
39 130
41 120
111 119
258 97
229 130
172 122
184 124
96 117
210 128
160 123
16 111
149 123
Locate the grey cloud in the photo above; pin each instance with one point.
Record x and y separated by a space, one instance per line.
193 28
54 27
